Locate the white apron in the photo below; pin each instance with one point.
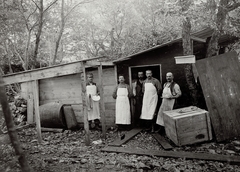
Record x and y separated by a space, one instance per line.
123 115
167 104
150 99
92 106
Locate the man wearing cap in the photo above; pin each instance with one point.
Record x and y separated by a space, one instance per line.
93 102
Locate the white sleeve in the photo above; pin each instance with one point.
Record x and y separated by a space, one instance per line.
177 90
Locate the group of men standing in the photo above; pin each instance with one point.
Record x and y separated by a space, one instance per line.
145 93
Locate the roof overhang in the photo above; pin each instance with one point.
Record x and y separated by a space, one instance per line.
194 38
150 49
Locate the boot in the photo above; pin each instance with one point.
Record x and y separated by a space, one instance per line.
152 130
91 125
161 130
97 124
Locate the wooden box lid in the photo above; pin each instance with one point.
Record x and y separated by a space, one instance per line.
184 112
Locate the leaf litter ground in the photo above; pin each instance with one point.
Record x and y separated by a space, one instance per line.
63 152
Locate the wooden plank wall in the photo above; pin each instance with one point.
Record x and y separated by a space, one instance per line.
64 89
220 80
67 90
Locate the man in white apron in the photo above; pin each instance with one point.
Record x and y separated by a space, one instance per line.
171 91
151 89
122 93
93 102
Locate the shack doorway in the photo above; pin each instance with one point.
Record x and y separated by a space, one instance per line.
133 75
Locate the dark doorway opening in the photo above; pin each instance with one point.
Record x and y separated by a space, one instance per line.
133 75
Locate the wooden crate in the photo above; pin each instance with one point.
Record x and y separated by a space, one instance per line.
188 125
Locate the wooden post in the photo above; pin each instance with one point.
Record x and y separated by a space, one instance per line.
132 107
84 101
102 104
36 109
30 105
115 73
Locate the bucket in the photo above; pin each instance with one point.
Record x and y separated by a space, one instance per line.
51 115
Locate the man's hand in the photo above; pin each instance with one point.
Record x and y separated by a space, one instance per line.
173 97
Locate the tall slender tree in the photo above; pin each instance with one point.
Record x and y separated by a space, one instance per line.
188 50
11 130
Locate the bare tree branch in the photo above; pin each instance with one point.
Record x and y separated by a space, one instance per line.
82 2
36 4
51 4
233 6
22 13
60 33
32 13
15 50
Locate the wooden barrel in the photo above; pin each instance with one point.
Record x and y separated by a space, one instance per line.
51 115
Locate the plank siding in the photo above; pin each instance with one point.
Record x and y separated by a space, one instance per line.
64 88
219 77
67 90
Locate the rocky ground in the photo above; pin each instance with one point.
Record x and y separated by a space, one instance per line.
66 152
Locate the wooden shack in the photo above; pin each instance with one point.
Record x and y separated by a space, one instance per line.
62 83
160 59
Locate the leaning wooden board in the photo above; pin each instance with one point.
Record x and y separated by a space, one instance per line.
219 78
175 154
128 136
70 117
187 125
162 141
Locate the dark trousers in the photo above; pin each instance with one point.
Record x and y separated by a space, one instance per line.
149 124
123 127
138 110
94 123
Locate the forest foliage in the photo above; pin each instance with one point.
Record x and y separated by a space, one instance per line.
39 33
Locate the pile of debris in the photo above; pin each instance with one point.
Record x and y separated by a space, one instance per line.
19 112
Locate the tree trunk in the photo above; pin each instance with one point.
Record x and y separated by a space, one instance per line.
60 34
213 48
188 50
38 35
26 53
11 130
